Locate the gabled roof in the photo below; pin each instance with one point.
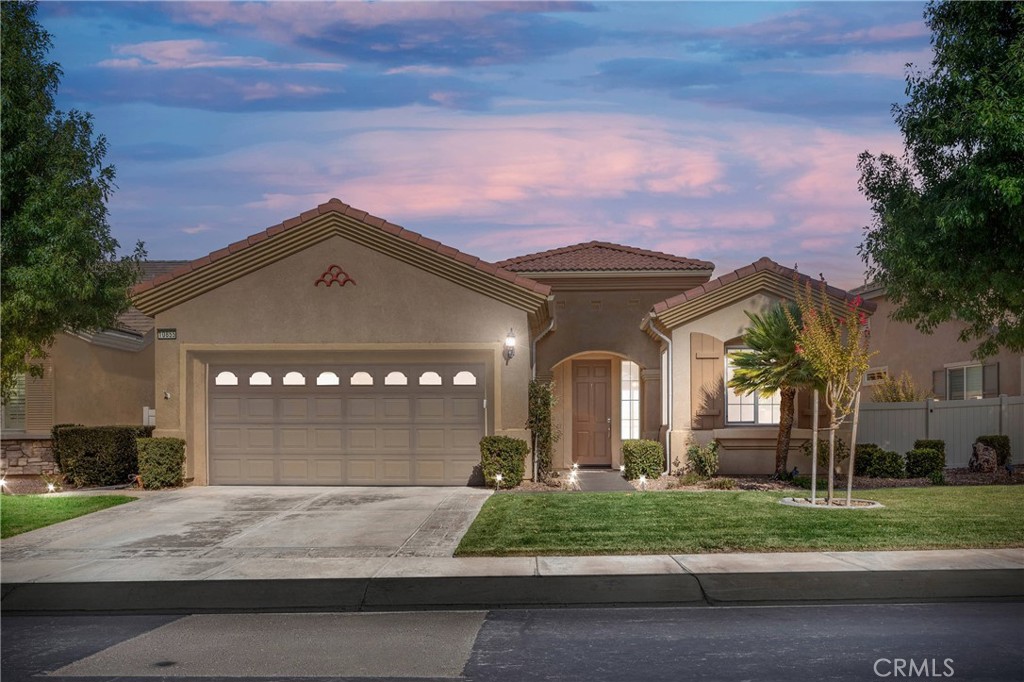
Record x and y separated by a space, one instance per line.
336 218
761 275
134 320
602 257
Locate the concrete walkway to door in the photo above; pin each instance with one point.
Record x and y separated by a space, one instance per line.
243 532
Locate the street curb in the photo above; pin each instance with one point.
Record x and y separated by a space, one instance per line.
498 592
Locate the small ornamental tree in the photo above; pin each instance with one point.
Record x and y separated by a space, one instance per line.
836 348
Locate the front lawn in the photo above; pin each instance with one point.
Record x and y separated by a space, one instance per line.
22 513
742 521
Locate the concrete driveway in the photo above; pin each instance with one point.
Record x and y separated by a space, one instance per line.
203 532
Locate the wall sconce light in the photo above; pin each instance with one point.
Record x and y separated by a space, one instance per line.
509 351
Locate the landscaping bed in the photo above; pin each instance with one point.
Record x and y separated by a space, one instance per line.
935 517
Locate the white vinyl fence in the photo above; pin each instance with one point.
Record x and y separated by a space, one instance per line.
895 426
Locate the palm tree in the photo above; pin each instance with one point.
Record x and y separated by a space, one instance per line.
772 364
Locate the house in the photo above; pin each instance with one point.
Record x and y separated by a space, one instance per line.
340 349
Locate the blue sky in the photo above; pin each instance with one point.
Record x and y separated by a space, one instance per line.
723 131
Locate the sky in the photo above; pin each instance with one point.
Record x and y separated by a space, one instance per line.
724 131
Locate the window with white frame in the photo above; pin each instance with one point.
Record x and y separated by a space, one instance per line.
747 408
875 375
13 418
630 380
964 382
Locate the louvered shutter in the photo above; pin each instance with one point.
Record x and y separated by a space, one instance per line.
707 381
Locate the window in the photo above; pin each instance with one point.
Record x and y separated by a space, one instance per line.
14 409
294 379
876 375
748 408
630 400
964 382
327 379
226 379
396 379
664 388
360 379
430 379
464 379
260 379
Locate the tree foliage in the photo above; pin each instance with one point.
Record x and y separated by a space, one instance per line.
947 236
772 364
60 270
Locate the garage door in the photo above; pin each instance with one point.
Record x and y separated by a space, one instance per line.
396 424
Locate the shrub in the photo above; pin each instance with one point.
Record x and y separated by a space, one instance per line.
100 455
931 444
863 457
805 482
898 390
1001 444
56 442
886 464
545 434
720 484
703 459
937 478
161 462
923 462
643 458
842 451
503 455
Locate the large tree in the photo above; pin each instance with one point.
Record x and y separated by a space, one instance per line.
947 237
60 269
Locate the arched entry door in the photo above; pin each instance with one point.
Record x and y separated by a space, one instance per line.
592 412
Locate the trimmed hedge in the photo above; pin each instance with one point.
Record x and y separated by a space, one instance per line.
931 444
1001 444
925 462
886 464
99 455
703 459
863 458
503 455
55 438
161 462
643 458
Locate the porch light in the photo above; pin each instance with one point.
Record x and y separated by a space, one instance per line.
509 351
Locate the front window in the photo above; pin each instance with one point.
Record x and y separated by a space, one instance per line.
964 382
14 409
630 400
747 408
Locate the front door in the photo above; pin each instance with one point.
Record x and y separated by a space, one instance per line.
592 412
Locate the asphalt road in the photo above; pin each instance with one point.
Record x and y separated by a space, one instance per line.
976 641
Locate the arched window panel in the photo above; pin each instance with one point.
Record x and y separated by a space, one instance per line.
226 379
361 379
464 378
430 379
294 379
328 379
396 379
260 379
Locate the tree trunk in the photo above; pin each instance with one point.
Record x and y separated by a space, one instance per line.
786 416
831 461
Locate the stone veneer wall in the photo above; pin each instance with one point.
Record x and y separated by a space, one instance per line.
26 456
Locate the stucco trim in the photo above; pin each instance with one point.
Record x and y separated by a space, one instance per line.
337 219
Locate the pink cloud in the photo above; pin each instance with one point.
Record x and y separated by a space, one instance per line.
198 54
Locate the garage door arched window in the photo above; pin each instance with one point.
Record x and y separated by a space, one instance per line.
361 379
396 379
430 379
260 379
327 379
294 379
226 379
464 378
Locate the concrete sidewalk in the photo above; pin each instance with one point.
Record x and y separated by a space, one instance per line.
341 549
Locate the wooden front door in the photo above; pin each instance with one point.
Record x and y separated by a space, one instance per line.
592 412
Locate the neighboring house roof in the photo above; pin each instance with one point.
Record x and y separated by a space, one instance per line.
602 257
761 275
134 320
336 218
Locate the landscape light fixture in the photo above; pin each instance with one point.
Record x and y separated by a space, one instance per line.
509 351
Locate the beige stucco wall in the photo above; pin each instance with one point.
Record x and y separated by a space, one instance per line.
99 386
276 314
901 347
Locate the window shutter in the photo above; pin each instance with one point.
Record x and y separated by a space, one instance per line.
39 400
707 381
939 383
990 381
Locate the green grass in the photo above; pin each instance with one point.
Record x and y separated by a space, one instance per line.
691 523
22 513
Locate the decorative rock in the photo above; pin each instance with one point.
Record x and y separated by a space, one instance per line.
983 460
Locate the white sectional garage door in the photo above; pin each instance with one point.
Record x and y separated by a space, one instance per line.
387 424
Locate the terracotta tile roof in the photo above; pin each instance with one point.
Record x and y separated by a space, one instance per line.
601 256
339 207
761 265
134 320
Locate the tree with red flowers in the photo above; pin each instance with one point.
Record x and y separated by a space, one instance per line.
834 343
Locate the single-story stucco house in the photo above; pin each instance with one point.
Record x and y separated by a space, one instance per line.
337 348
